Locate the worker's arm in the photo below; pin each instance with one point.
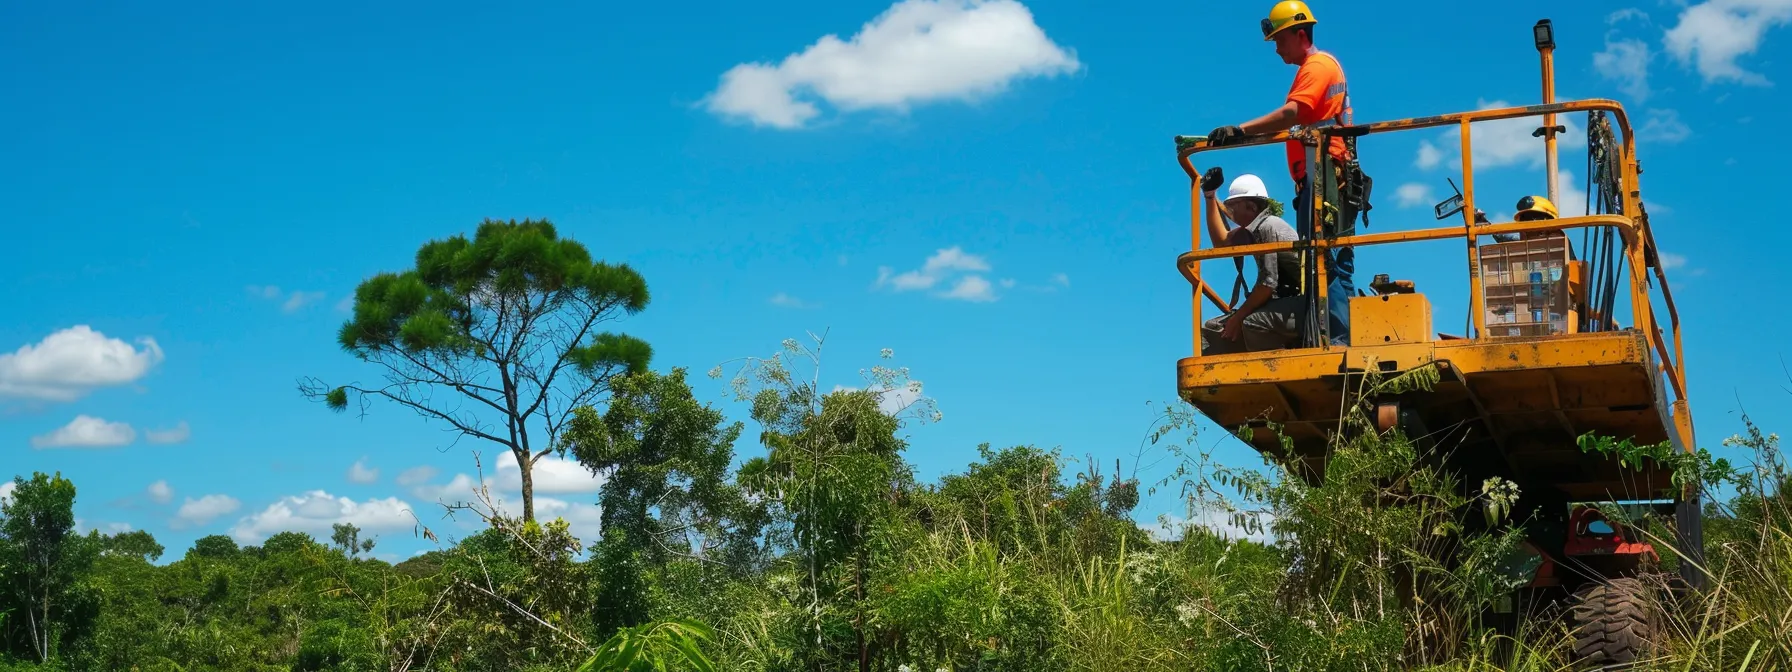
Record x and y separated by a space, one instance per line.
1281 119
1216 220
1235 323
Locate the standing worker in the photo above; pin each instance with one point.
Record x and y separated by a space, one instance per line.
1320 95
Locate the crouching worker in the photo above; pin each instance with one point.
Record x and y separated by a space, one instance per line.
1270 317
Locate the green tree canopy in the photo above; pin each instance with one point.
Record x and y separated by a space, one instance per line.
660 450
496 336
42 561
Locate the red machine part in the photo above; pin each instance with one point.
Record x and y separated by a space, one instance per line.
1585 539
1589 533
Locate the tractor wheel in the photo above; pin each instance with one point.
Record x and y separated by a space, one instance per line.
1614 622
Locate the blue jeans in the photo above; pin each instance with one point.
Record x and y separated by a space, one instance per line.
1340 266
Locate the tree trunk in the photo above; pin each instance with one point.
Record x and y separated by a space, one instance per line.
526 468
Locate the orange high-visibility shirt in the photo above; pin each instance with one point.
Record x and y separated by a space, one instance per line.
1320 93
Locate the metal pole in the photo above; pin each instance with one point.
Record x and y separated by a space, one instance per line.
1548 50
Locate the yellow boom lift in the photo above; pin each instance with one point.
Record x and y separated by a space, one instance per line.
1544 362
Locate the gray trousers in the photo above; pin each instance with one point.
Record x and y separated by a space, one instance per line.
1273 327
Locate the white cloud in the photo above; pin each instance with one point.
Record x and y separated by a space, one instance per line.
1497 144
1671 261
1414 195
160 493
202 511
416 475
1429 156
118 528
585 520
944 265
1663 126
783 300
6 489
1170 526
1625 61
315 511
346 304
177 434
1712 35
68 364
891 400
1009 283
1061 279
461 488
917 51
1571 194
1626 14
941 265
86 431
360 473
290 302
552 476
972 288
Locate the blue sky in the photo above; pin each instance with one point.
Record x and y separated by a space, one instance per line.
193 191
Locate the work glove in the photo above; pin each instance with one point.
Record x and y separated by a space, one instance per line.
1225 135
1213 179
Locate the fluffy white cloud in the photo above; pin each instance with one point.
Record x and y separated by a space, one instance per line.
315 511
176 434
1711 35
360 473
290 302
1663 126
552 476
1170 527
118 528
1671 261
6 489
941 265
416 475
1498 144
945 265
1626 62
585 520
86 431
160 492
1414 195
1061 279
891 400
972 288
68 364
917 51
202 511
1571 194
783 300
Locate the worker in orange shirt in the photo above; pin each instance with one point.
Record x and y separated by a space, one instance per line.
1320 96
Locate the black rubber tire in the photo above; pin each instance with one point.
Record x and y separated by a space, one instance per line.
1614 622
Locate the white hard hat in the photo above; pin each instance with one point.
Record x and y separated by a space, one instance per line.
1247 186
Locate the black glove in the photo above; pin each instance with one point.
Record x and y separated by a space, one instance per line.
1225 135
1213 179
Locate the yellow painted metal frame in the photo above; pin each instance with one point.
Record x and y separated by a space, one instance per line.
1632 228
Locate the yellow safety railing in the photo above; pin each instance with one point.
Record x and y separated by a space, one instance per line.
1632 226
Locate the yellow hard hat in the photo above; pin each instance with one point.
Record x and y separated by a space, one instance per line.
1537 205
1286 15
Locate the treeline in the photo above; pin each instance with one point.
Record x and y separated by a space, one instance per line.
823 552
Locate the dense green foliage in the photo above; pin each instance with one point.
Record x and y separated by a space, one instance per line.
824 552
